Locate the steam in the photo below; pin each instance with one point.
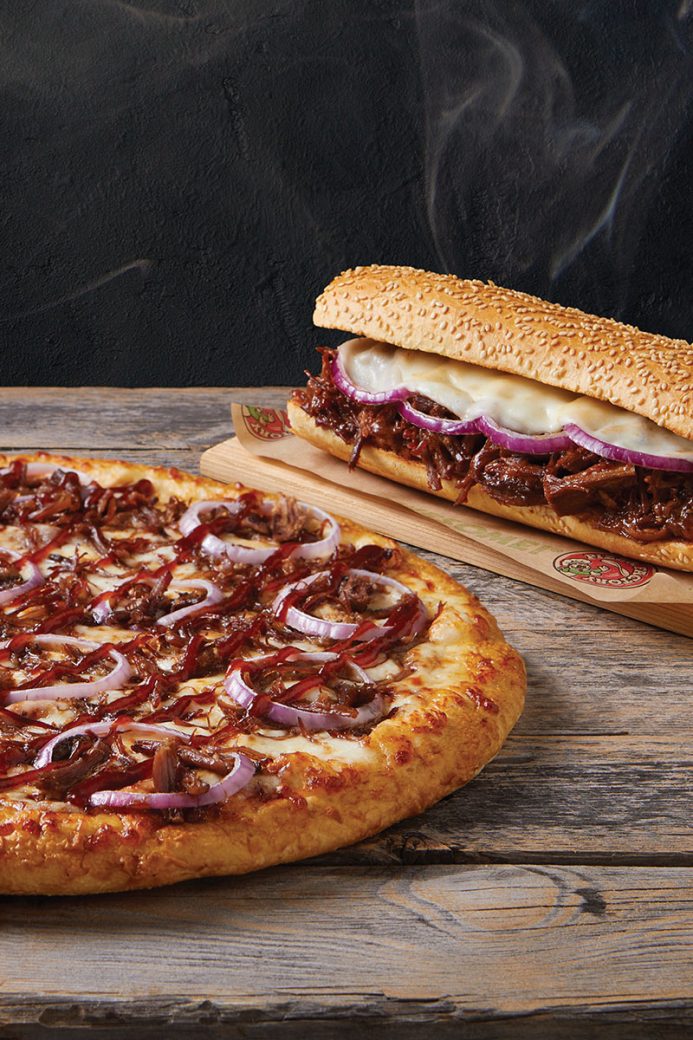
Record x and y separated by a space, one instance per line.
143 265
529 175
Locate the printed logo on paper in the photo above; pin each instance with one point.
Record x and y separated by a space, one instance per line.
267 424
603 569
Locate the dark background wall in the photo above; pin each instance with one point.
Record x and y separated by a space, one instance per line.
179 179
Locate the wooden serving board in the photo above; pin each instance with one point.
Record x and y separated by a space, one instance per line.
230 462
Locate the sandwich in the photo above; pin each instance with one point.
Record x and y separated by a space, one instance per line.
511 405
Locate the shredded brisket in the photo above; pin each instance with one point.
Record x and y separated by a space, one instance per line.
58 781
165 767
643 504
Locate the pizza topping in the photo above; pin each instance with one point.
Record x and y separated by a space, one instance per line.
241 774
165 767
62 776
134 600
102 729
9 576
20 472
195 639
115 680
214 595
280 521
286 714
354 589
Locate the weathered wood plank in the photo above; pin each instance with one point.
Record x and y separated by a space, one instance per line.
111 418
433 946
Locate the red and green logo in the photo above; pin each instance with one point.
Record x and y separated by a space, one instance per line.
267 424
603 569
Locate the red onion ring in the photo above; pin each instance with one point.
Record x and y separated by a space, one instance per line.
214 595
45 469
313 626
527 444
103 729
241 774
215 546
35 578
450 427
523 443
349 389
617 454
287 715
115 680
103 610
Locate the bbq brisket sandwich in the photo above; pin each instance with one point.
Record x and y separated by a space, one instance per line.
500 401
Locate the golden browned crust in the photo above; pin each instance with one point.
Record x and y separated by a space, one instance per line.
678 555
514 332
441 735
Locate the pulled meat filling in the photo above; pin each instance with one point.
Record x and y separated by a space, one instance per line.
643 504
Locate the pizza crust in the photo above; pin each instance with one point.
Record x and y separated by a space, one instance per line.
678 555
436 740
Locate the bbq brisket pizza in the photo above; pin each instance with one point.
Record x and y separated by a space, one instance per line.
201 680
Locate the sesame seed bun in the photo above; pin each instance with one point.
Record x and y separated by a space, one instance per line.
678 555
511 331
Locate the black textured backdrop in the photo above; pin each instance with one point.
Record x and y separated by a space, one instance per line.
179 179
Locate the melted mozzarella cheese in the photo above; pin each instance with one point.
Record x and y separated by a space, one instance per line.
520 404
340 749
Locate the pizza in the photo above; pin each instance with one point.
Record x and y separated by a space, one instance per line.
200 679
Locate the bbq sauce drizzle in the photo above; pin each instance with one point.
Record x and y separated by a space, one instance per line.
242 626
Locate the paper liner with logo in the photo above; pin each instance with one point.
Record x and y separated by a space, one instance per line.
266 450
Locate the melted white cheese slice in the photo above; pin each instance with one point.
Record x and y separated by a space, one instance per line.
520 404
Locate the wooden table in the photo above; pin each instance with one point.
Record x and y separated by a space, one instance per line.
550 898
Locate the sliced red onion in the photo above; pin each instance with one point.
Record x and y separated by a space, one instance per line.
313 626
45 469
35 578
103 610
349 389
618 454
523 443
103 729
115 680
324 547
214 595
191 517
215 546
241 774
52 639
288 715
527 444
450 427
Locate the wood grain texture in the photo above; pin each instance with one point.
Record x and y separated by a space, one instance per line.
431 945
422 942
107 418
